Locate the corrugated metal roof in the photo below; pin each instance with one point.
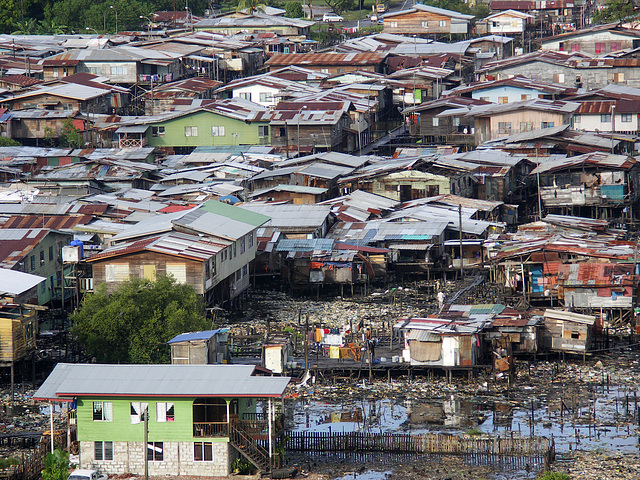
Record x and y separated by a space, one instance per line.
191 336
290 215
13 282
422 336
79 380
305 245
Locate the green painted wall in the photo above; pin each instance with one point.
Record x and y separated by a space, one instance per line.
47 268
174 131
120 429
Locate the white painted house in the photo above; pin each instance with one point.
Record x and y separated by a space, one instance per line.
508 22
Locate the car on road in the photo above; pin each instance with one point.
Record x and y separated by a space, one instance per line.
332 17
83 474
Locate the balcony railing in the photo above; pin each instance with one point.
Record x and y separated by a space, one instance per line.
254 425
210 429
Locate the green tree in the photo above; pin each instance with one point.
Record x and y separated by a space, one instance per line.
28 27
56 465
10 15
70 135
615 11
50 27
133 324
294 10
6 463
251 6
9 142
340 6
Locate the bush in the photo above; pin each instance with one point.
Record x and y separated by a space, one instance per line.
554 476
242 466
294 10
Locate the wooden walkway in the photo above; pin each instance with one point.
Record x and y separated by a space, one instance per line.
481 449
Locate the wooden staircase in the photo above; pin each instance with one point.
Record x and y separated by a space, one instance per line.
249 449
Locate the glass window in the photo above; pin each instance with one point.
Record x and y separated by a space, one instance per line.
33 262
577 118
251 240
242 245
626 117
102 411
137 410
425 24
41 257
443 23
246 95
103 451
263 130
203 452
155 451
266 97
190 131
164 412
393 24
504 127
605 118
51 253
158 131
217 131
547 124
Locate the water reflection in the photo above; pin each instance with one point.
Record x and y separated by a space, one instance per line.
577 418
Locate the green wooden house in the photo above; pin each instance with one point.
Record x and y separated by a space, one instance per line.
199 418
232 121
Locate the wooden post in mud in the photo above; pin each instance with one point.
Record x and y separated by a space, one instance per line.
306 344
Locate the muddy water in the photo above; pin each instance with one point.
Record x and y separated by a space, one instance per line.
589 418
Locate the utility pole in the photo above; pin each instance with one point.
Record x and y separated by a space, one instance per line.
146 442
460 224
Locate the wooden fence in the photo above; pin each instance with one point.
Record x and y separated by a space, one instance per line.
483 449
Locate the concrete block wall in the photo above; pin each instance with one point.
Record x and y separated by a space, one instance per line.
128 457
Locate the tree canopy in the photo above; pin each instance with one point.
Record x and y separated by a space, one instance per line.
133 324
614 11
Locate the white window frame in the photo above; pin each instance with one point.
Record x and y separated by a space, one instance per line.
162 412
136 411
218 131
106 411
105 454
158 451
191 131
443 23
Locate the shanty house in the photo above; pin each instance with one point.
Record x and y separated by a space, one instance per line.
595 185
223 122
595 40
495 121
441 342
198 418
210 248
200 348
18 330
37 251
276 352
507 22
254 23
70 97
426 20
567 331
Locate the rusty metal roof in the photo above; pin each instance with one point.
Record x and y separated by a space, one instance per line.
284 59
